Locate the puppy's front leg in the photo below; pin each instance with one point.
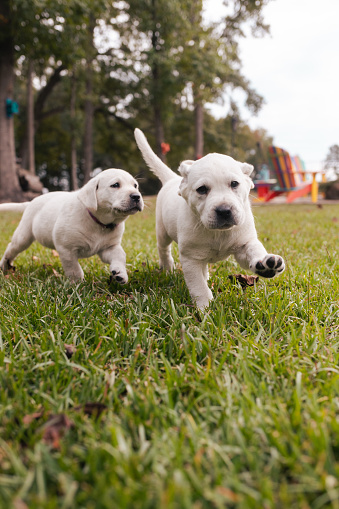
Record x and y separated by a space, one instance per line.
196 275
115 256
70 263
254 256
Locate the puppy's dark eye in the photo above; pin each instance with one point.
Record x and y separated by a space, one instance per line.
202 190
234 184
115 185
135 185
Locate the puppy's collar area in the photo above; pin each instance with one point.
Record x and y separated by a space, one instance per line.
110 226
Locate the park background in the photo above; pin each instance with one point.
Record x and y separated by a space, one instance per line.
195 76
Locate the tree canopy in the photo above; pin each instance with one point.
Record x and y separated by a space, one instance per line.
86 74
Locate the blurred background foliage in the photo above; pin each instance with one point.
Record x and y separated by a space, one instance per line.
96 70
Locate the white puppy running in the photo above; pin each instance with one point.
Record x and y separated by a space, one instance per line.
79 224
207 213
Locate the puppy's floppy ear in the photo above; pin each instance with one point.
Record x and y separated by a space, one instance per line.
184 170
247 168
88 194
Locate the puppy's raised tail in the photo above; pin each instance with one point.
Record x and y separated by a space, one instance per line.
13 207
163 172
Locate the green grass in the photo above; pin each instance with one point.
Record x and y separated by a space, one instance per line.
235 408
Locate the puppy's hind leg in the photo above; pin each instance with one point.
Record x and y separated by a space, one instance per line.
21 240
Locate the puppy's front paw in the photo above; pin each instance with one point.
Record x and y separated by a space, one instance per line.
119 276
5 265
270 266
203 301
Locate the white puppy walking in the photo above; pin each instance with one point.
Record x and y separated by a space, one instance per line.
79 224
207 213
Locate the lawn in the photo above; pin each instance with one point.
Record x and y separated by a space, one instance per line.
128 397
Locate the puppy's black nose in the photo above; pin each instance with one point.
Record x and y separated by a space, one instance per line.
224 212
135 197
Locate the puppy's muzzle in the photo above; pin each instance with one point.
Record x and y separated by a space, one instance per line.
135 200
224 216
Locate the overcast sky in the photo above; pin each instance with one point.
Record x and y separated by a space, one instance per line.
296 70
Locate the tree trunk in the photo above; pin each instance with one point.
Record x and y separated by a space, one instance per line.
199 130
30 120
9 183
88 134
74 178
159 128
234 127
89 107
39 114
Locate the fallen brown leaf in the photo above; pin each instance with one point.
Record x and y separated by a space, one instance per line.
243 279
55 428
70 350
56 273
98 346
93 409
27 419
19 504
45 265
226 492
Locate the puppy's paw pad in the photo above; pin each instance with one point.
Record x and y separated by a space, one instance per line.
270 266
119 277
